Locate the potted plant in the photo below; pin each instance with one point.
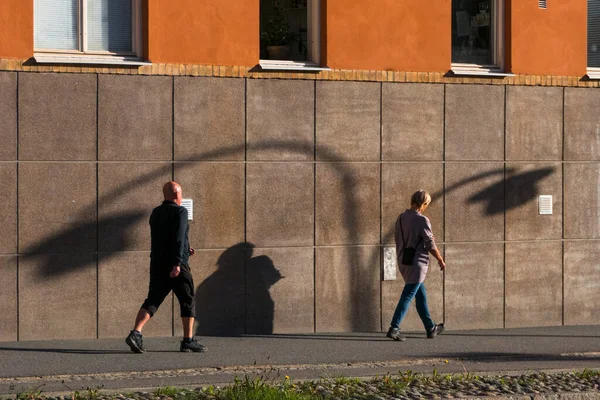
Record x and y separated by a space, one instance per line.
278 33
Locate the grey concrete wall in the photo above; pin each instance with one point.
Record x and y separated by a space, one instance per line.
296 186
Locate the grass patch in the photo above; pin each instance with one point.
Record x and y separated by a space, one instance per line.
30 394
257 389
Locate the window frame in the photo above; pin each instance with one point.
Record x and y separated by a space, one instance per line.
591 72
84 56
313 44
498 66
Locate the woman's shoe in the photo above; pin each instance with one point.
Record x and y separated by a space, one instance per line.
394 333
436 330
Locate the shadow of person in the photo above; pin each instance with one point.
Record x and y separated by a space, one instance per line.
220 298
235 299
261 274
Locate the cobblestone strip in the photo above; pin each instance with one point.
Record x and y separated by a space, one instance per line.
402 386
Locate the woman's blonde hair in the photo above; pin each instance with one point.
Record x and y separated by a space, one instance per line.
420 197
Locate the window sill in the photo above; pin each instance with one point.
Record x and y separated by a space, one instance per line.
275 65
476 70
593 74
88 59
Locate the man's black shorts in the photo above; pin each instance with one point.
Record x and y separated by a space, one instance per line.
161 285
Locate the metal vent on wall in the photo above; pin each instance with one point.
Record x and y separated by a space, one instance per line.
542 3
189 206
545 205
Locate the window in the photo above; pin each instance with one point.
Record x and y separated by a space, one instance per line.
593 38
94 31
477 29
289 34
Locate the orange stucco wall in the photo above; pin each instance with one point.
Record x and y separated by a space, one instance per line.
16 29
402 35
551 41
224 32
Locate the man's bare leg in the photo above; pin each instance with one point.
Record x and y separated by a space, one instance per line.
134 339
143 316
188 327
188 343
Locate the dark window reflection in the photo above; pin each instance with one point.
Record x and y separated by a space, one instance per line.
594 33
472 31
284 30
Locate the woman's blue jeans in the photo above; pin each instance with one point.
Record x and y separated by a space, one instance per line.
416 290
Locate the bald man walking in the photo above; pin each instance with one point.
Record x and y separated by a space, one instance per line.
169 269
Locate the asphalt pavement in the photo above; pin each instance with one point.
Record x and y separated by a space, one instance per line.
66 365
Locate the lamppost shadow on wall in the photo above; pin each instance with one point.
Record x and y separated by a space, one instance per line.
235 258
266 274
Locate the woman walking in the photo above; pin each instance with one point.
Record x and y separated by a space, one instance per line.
414 240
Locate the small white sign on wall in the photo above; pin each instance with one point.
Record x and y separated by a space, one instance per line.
189 206
389 264
545 205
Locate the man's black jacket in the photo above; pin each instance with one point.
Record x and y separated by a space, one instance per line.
169 231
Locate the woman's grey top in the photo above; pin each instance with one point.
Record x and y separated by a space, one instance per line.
417 233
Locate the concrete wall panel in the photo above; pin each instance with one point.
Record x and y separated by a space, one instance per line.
218 193
127 194
280 291
582 283
534 123
219 276
582 200
280 204
524 183
123 280
412 122
8 116
399 182
8 211
474 286
474 122
348 295
57 296
57 207
533 284
347 204
8 298
281 120
348 121
474 202
209 119
582 136
57 117
135 118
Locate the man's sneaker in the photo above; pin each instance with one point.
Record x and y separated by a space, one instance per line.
394 333
192 345
436 330
134 340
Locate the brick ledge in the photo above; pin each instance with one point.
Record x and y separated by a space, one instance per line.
330 75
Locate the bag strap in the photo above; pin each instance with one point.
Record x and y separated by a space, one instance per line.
402 231
402 234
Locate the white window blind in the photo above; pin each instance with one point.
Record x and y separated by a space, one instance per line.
109 25
86 26
593 38
56 24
